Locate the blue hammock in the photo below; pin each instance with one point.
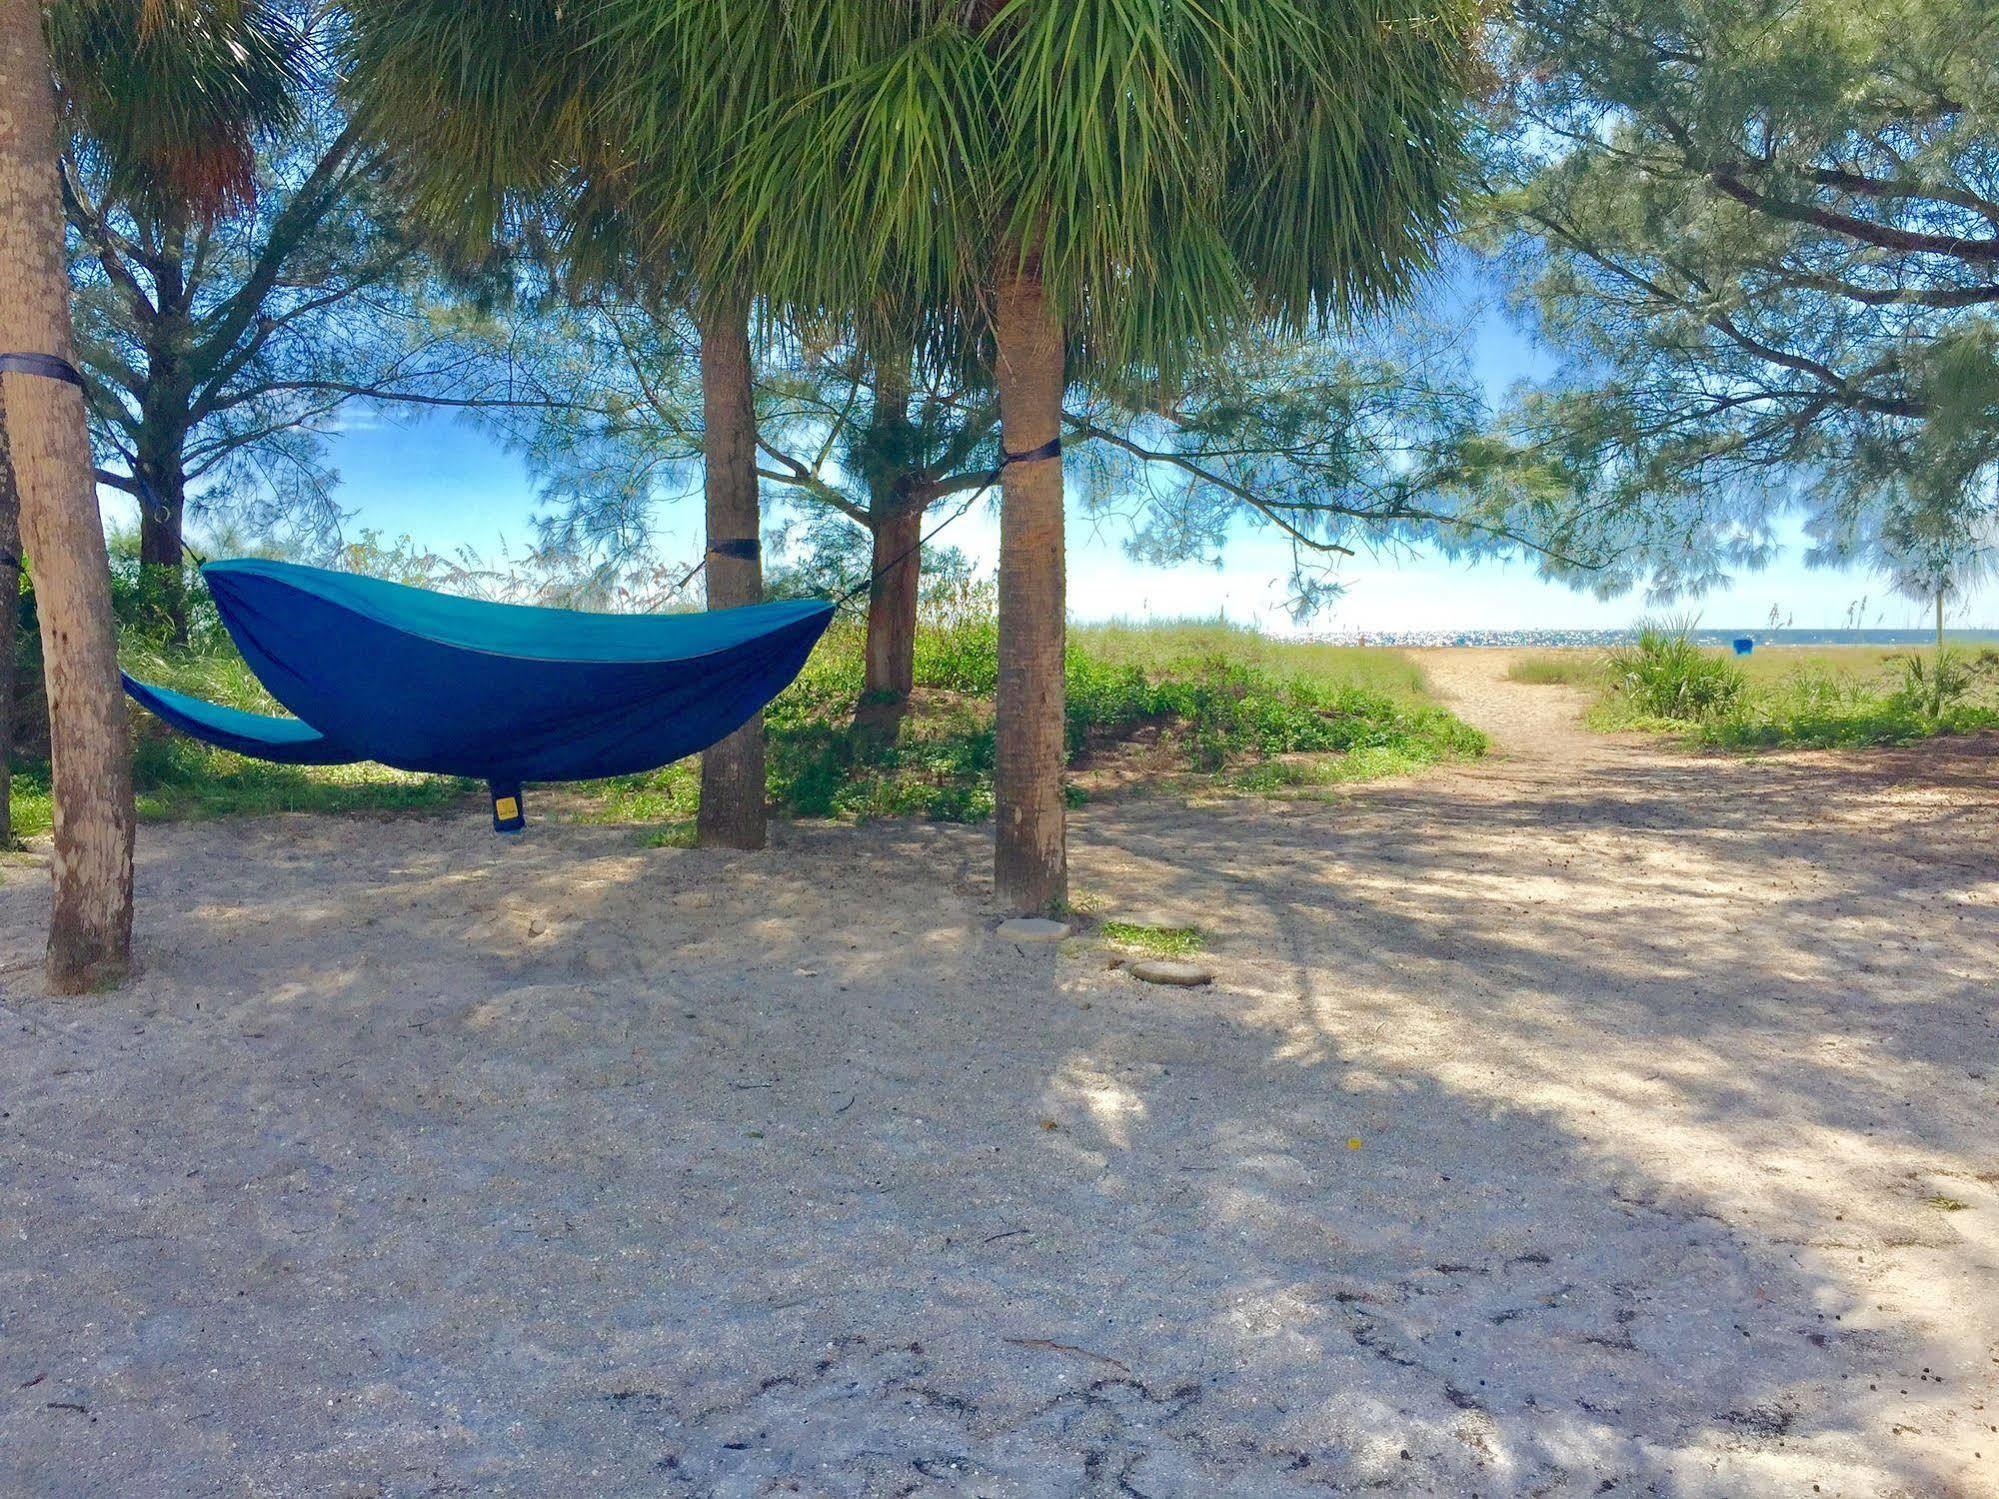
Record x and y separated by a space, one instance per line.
498 692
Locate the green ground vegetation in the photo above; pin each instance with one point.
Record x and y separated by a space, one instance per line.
1220 708
1225 709
1153 941
1666 681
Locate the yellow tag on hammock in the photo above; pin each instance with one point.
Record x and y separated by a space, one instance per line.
506 807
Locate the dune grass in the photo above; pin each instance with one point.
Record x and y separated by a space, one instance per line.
1163 644
1571 668
1802 698
1234 711
1221 708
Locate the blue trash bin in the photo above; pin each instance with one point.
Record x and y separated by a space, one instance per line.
1744 645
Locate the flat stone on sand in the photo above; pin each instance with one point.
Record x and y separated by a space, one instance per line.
1172 971
1033 929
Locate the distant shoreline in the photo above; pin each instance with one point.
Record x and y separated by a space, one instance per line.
1597 639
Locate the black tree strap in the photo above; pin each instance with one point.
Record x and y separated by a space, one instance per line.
51 368
45 365
743 549
1049 449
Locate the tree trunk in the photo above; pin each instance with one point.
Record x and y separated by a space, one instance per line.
90 933
10 615
1939 622
891 665
895 525
162 511
732 772
160 465
1031 860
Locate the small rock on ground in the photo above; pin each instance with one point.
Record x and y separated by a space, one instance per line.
1172 971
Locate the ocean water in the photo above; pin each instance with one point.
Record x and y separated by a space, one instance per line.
1599 638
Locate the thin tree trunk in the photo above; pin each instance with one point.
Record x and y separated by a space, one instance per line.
10 615
1031 860
162 512
732 772
90 933
895 526
161 467
892 598
1939 621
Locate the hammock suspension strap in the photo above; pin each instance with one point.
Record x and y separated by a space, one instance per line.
48 366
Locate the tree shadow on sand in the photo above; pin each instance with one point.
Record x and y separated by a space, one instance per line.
712 1174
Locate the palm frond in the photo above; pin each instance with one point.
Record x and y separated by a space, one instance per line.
1171 168
171 95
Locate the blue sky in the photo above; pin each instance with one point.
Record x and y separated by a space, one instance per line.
448 484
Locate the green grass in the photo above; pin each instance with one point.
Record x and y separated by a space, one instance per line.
1154 941
681 834
1164 645
1236 712
1220 707
1833 698
1853 663
1557 668
177 779
28 801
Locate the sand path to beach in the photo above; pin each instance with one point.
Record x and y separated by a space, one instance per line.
1594 1118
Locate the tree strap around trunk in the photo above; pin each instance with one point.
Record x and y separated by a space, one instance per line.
743 549
49 367
46 365
1049 449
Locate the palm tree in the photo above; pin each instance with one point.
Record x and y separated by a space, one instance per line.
1067 184
172 89
506 117
1091 185
90 932
164 101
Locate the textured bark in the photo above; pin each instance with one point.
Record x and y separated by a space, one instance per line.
10 615
162 512
160 469
90 934
895 523
732 772
1031 859
891 665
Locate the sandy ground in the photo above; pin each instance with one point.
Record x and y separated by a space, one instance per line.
1589 1120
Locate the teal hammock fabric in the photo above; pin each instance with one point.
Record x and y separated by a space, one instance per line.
498 692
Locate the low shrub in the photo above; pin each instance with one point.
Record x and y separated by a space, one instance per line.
1839 700
1666 673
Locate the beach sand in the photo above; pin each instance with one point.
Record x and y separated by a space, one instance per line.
1594 1118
